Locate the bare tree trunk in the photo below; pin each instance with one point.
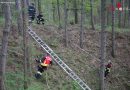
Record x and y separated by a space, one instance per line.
3 54
24 14
36 5
92 21
103 42
119 18
129 13
75 11
53 10
65 19
58 8
19 18
39 7
81 32
28 2
125 5
108 17
113 32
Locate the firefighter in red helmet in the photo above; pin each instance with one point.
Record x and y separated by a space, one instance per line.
43 65
108 68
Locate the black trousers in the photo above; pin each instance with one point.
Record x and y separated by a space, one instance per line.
106 73
42 68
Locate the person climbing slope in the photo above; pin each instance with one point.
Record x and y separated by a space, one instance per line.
44 63
107 68
31 12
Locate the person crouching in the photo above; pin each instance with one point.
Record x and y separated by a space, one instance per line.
43 65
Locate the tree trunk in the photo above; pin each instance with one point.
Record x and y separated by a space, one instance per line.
103 42
24 14
28 2
65 19
113 32
75 11
53 10
39 7
125 5
58 8
129 13
92 20
119 18
36 5
3 54
108 17
19 16
81 32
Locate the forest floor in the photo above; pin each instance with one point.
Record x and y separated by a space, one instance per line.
85 62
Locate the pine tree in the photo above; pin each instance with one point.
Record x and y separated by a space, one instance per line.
3 51
103 42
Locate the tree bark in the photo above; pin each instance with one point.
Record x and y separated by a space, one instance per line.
81 31
103 42
53 10
3 54
28 2
113 32
24 14
125 5
19 16
65 19
108 17
39 7
75 11
129 13
119 18
92 20
58 8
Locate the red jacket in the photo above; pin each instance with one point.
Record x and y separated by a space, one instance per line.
46 61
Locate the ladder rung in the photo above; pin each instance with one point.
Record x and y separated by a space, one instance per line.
75 77
63 65
77 80
29 30
41 43
60 62
39 40
36 37
72 74
49 51
84 86
80 83
31 33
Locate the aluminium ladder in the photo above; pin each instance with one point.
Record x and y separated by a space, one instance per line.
58 60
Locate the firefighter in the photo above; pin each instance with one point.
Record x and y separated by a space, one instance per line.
40 19
107 68
43 65
31 12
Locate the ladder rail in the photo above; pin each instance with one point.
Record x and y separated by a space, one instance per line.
58 60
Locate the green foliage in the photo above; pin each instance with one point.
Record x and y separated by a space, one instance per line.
75 86
1 20
14 81
87 6
36 86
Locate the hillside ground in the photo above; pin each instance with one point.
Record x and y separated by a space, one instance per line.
85 62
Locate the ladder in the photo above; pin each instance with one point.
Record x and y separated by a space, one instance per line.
58 60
